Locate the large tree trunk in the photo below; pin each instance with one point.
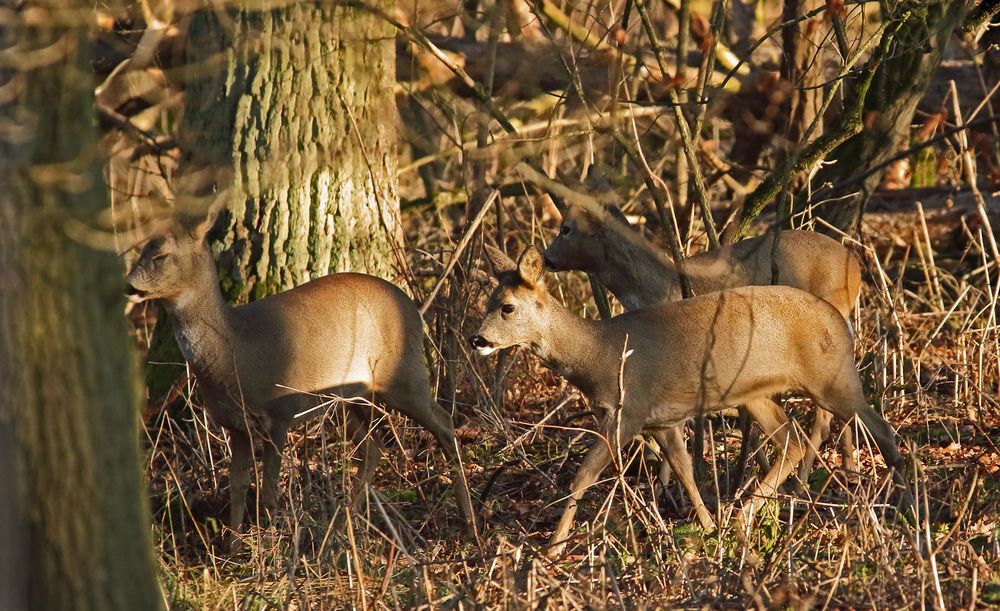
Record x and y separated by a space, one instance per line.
899 85
300 124
68 414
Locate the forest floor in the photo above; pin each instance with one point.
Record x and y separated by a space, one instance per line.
927 351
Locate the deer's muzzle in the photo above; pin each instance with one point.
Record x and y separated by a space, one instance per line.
482 345
134 295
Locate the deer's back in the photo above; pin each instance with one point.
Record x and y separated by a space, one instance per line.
340 334
806 260
725 348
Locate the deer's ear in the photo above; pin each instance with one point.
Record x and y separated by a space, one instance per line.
530 266
616 213
196 227
191 227
204 226
499 261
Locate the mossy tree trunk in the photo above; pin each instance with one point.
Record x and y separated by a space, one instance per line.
74 524
900 82
300 124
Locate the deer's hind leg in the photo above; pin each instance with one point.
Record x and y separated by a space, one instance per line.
369 450
846 399
414 400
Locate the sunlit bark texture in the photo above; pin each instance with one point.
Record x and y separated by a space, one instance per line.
899 84
297 116
75 526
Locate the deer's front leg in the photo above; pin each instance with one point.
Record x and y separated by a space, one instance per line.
273 447
239 477
597 458
782 432
672 440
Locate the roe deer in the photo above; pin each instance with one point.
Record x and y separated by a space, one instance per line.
601 242
689 357
264 365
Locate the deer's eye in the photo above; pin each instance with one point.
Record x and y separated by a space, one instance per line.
565 230
507 308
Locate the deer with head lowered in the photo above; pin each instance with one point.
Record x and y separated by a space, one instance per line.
265 365
686 358
598 240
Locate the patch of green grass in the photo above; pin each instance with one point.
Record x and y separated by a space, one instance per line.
817 478
991 594
400 495
862 570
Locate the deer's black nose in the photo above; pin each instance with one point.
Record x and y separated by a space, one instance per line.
133 294
548 262
478 341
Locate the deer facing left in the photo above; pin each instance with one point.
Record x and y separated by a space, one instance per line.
651 369
265 365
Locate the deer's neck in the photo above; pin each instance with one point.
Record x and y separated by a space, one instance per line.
636 273
204 329
583 351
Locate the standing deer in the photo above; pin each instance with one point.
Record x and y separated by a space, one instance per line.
601 242
263 366
685 358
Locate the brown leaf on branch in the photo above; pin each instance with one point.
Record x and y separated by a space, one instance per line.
930 126
870 118
835 9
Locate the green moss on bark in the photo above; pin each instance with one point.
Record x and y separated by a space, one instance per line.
309 142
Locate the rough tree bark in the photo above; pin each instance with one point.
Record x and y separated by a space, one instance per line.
802 66
302 113
74 526
899 85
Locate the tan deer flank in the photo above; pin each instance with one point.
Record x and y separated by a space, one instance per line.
600 241
263 366
735 347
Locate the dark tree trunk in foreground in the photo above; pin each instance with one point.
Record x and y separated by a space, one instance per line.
899 85
300 122
74 526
